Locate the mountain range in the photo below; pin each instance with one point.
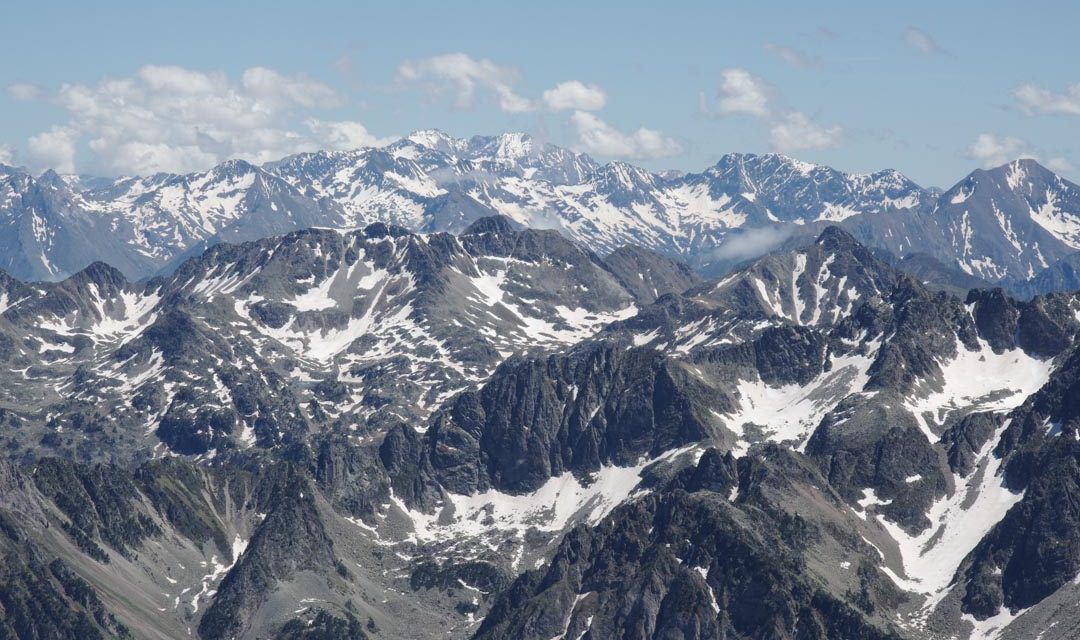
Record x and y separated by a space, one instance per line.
1003 226
491 388
372 432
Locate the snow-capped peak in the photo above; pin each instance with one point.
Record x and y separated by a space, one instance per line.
436 140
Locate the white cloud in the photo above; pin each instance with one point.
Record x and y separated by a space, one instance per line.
7 154
921 41
465 75
54 148
174 119
600 138
1035 99
991 150
794 131
793 58
575 95
281 90
512 102
344 135
23 91
742 92
140 157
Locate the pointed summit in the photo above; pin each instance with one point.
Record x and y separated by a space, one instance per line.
99 273
835 238
1011 221
435 139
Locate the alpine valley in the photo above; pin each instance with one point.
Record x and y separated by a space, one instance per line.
490 388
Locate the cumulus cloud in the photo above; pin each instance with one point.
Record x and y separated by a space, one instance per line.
575 95
344 135
742 92
793 58
23 91
990 150
464 76
789 130
174 119
7 154
921 41
794 131
1035 99
54 148
280 90
599 137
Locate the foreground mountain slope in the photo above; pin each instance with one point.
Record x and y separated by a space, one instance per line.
815 445
722 551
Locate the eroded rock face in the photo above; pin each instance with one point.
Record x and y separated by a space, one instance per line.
965 439
869 445
261 344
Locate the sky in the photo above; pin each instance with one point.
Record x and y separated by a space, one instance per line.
932 89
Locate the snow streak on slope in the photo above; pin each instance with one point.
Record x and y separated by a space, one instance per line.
568 326
561 502
960 521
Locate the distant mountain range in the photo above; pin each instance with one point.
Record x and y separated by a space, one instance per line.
1004 225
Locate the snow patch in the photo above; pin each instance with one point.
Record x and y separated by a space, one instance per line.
979 380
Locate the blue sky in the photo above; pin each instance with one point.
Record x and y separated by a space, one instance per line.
932 89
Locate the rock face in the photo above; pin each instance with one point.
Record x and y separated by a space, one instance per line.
649 275
376 433
935 273
695 562
601 405
1063 275
291 538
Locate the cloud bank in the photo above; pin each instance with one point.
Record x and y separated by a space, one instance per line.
174 119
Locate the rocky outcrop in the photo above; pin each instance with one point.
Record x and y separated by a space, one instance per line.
689 562
600 404
1035 549
291 538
